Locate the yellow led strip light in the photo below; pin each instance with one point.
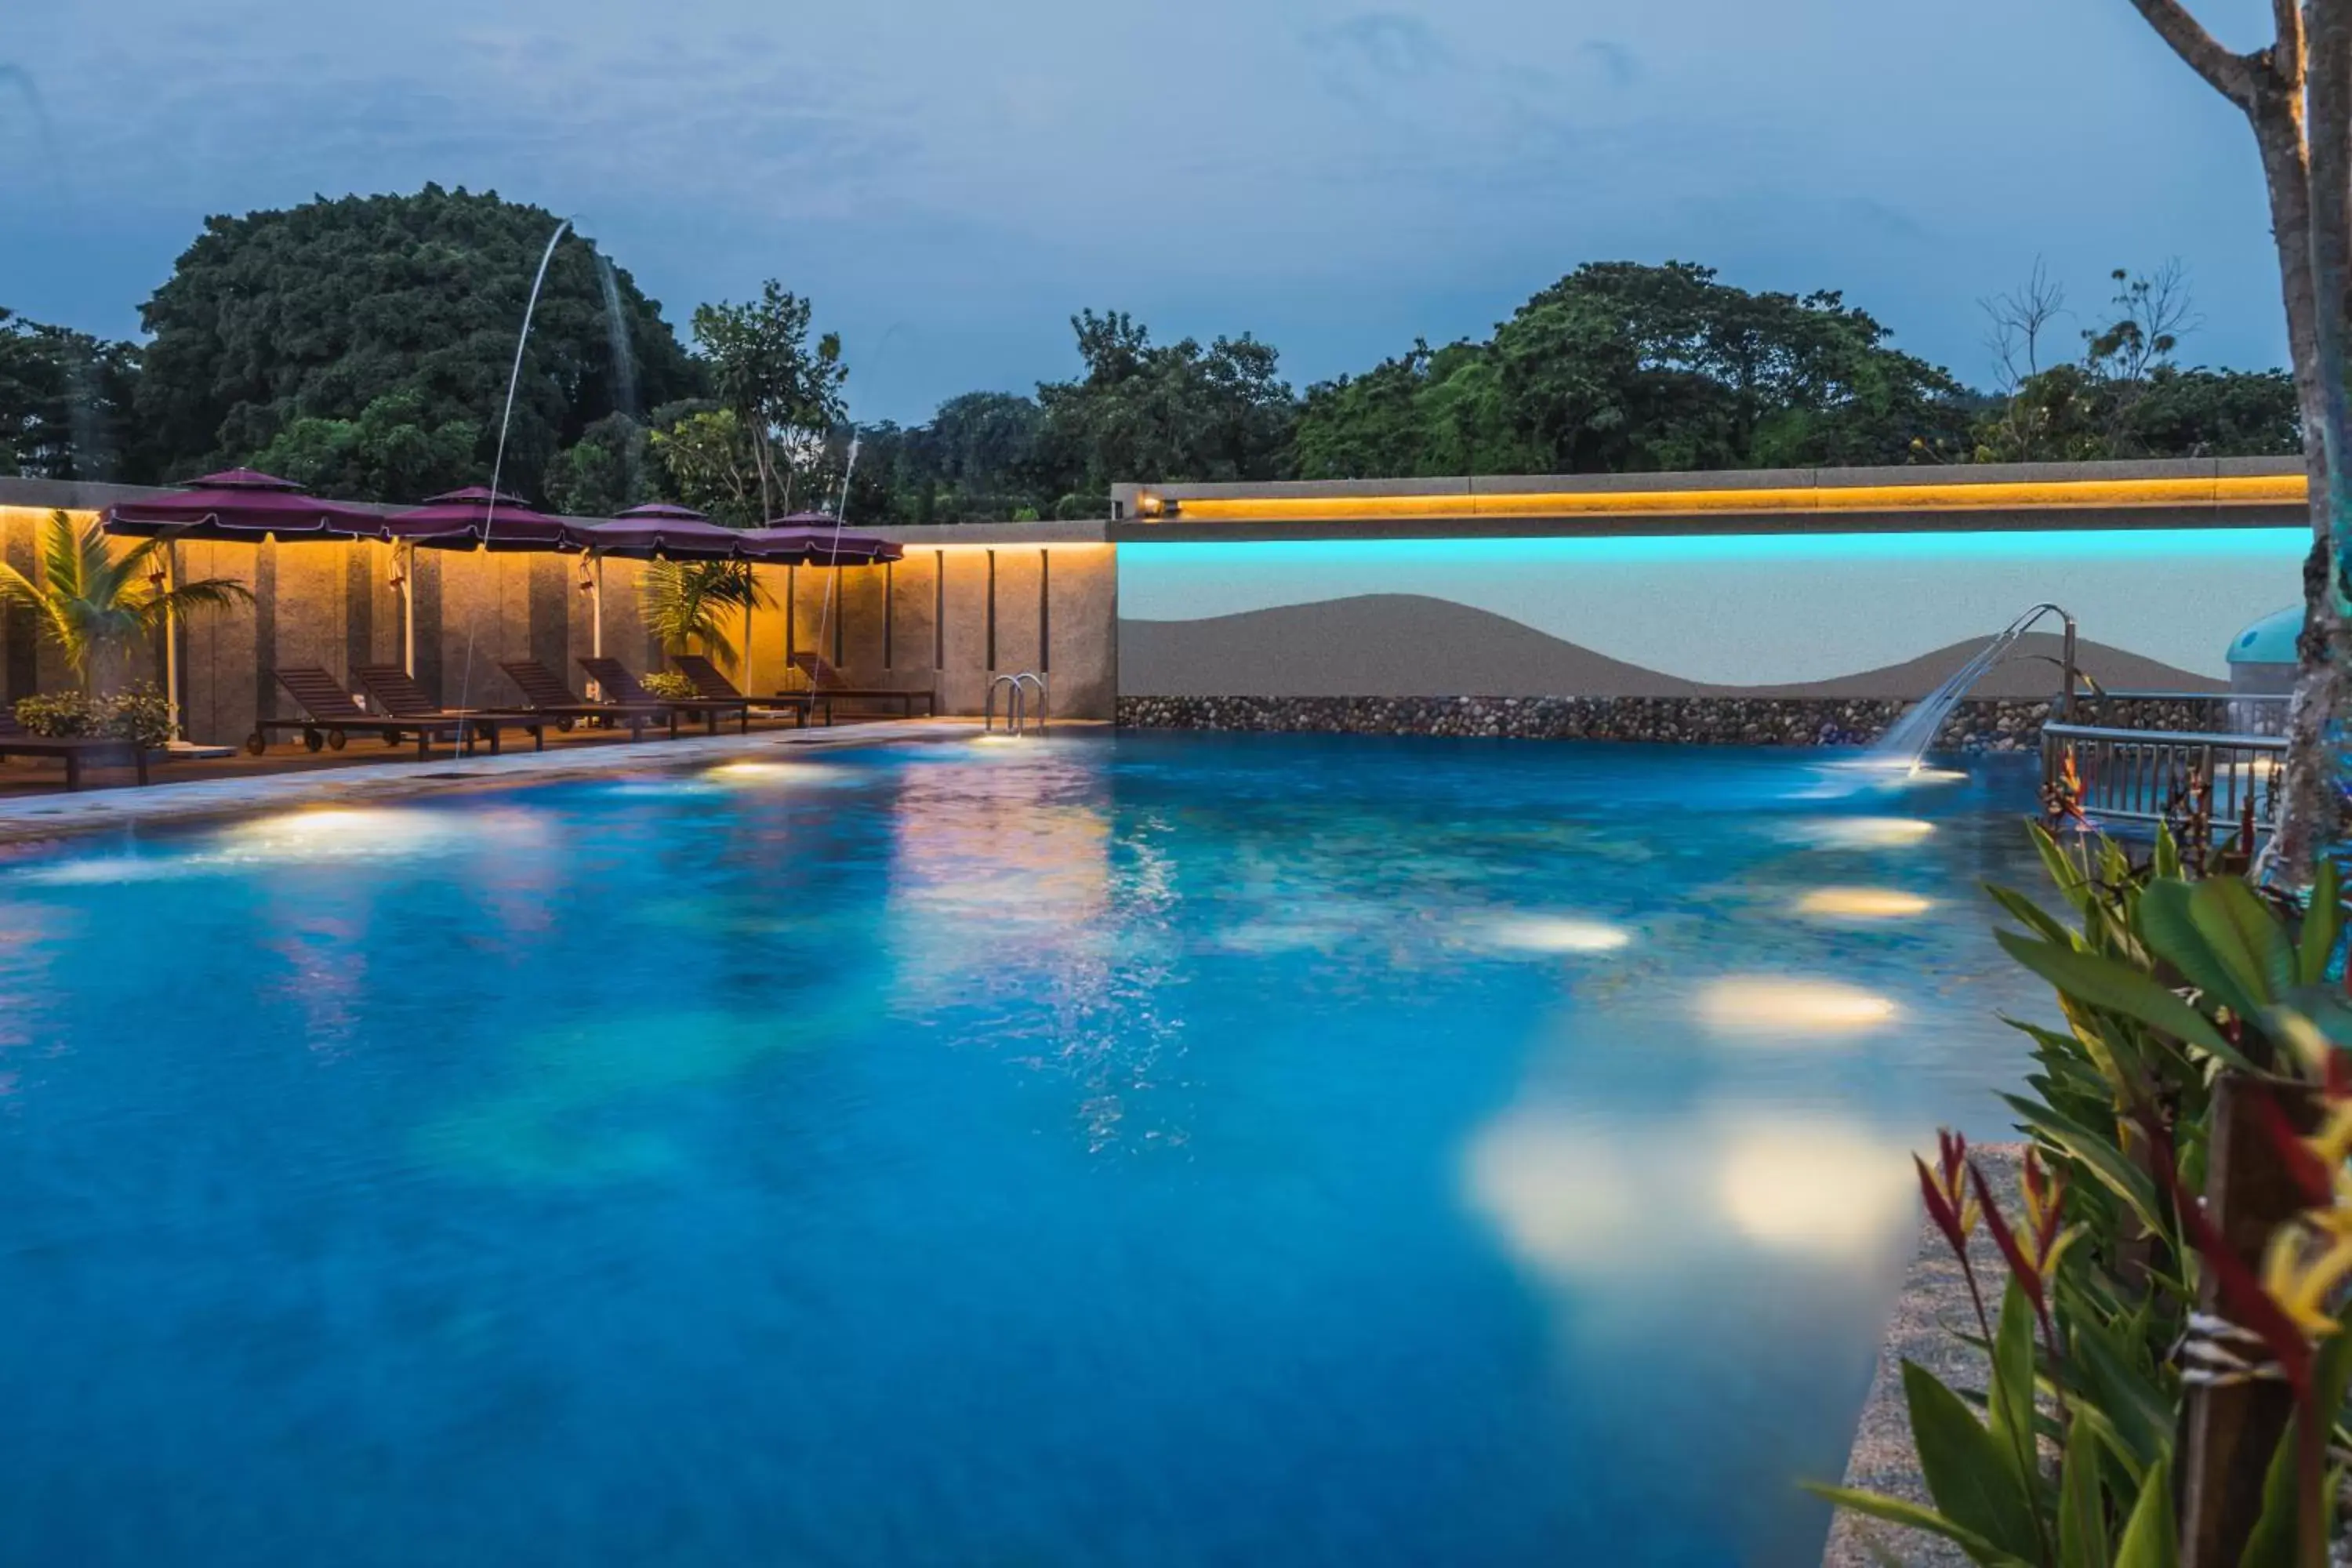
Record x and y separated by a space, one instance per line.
2032 495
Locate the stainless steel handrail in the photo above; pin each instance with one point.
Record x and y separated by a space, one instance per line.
1012 685
2164 776
2200 737
2260 698
1045 698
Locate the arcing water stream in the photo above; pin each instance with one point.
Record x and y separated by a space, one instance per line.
1906 742
498 457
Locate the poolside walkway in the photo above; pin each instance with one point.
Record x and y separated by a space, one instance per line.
52 815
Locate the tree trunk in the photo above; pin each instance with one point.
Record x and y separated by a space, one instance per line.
2309 817
2312 824
2229 1434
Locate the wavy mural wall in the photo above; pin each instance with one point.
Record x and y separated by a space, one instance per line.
1865 614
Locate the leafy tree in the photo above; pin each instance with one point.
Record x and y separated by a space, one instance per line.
389 451
608 469
2124 397
2217 413
317 311
784 392
2293 91
1159 412
1429 412
1621 366
707 461
91 603
66 404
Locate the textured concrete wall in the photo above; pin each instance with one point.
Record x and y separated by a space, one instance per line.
1993 725
333 604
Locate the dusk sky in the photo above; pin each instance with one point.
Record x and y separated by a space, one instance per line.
951 181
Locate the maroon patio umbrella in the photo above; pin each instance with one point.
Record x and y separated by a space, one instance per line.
813 539
241 504
478 518
238 504
660 530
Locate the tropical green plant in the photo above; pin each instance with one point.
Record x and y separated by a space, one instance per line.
2173 993
139 713
91 602
60 715
667 683
689 605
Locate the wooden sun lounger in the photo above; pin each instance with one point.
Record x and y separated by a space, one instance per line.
330 715
716 688
396 692
825 686
544 693
74 751
613 678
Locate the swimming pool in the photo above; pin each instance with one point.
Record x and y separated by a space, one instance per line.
1165 1149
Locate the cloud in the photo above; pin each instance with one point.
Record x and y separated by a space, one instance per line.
982 171
1386 43
1620 65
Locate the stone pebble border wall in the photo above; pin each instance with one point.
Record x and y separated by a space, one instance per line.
1982 724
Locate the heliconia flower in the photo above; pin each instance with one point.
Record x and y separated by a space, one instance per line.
2306 1165
2301 1277
1940 1208
2070 783
1944 1190
2306 1040
1952 1153
2332 1144
2045 1213
2021 1264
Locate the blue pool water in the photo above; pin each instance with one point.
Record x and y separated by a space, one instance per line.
1159 1150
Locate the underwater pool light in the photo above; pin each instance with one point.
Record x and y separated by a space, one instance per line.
1863 904
1791 1007
1557 934
1867 832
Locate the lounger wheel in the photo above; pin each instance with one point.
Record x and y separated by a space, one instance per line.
335 738
313 741
563 726
256 744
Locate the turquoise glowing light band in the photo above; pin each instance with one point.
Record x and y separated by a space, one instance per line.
1713 549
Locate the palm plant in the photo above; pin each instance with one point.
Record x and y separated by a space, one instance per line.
91 602
684 604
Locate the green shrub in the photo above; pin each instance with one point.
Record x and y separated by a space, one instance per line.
140 714
57 714
668 683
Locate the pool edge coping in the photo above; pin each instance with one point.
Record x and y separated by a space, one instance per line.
43 817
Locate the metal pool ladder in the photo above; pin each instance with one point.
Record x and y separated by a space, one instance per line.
1017 703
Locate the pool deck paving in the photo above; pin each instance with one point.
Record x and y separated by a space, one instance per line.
1929 1318
57 813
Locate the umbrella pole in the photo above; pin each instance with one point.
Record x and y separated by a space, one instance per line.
751 577
172 640
596 628
407 607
